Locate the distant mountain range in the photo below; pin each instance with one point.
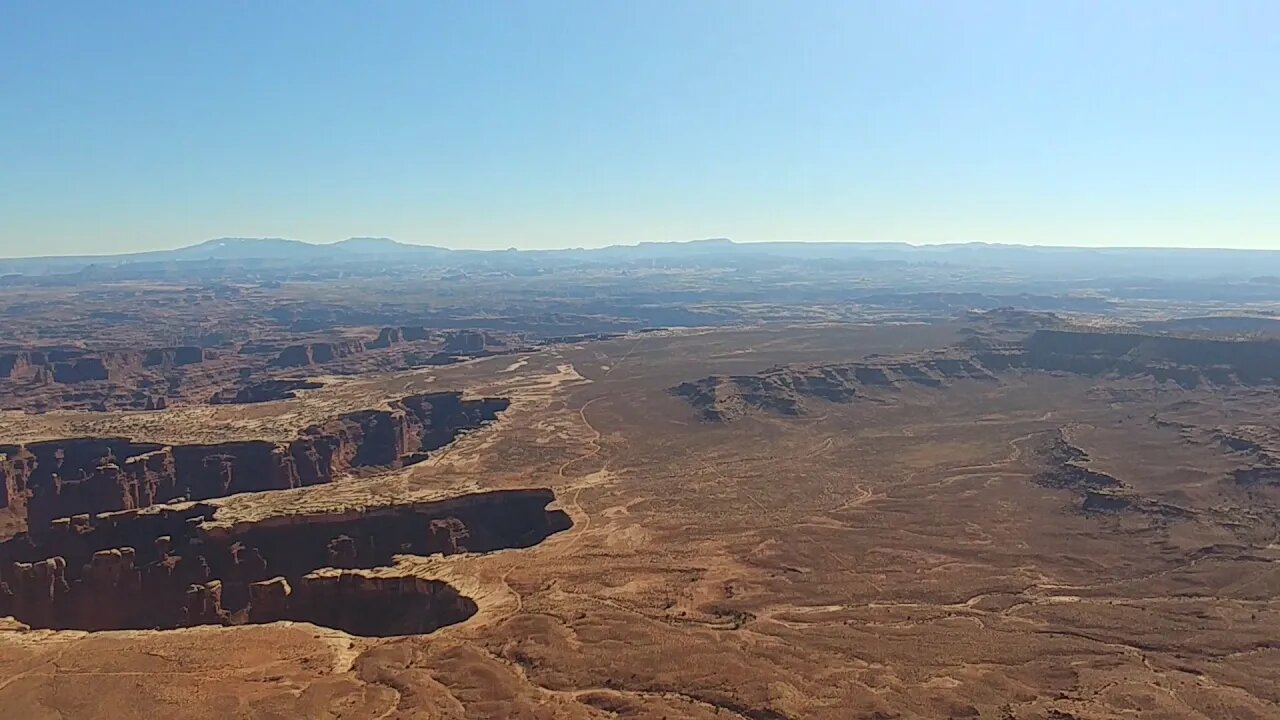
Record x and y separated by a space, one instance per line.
255 249
1024 260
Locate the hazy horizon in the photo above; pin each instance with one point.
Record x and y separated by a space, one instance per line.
570 248
565 124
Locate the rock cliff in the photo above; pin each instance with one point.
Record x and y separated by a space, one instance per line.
1185 362
171 568
389 336
786 390
41 481
315 353
264 391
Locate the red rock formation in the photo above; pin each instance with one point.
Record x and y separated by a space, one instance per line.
47 480
448 535
1186 362
377 606
79 475
173 356
16 466
204 605
131 570
465 341
35 590
316 353
343 552
17 365
389 336
265 391
269 600
78 371
117 584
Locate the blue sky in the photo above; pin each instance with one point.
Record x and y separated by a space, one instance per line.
141 125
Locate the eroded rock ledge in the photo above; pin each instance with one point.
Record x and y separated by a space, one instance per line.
171 567
784 390
1186 362
40 481
1260 447
264 391
1060 464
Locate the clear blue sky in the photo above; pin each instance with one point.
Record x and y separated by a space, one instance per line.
139 125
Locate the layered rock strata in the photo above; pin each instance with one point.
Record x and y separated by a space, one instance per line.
171 567
1185 362
41 481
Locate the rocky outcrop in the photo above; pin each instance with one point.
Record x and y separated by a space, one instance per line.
59 478
174 356
25 365
1259 447
1186 362
249 368
265 391
1058 463
315 353
787 390
389 336
75 366
465 341
174 568
1062 465
16 467
47 479
82 370
46 379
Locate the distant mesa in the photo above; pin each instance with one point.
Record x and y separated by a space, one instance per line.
73 365
455 343
315 353
389 336
281 248
788 390
264 391
230 254
1185 362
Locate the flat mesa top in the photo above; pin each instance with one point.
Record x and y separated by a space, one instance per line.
276 421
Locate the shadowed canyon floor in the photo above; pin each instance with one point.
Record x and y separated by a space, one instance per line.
819 521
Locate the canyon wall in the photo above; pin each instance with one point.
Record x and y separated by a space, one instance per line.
41 481
784 390
315 353
263 391
72 366
1186 362
170 567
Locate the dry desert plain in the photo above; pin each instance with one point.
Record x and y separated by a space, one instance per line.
818 521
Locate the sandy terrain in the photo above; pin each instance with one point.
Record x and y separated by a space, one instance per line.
898 556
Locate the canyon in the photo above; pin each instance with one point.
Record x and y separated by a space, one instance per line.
167 569
704 480
41 481
220 370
